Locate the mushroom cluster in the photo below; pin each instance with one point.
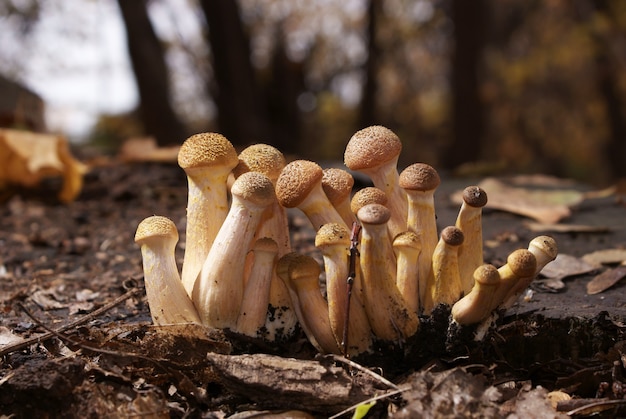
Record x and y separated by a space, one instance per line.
384 263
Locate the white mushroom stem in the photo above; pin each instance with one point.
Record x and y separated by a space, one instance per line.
168 300
469 221
520 265
420 182
253 312
446 287
207 159
545 250
374 151
334 242
300 185
476 305
337 185
407 248
389 316
219 291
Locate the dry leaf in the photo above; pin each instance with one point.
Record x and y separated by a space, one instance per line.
7 337
565 228
147 150
27 157
606 280
605 257
566 265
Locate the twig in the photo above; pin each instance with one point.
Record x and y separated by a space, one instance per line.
372 399
42 338
354 253
361 368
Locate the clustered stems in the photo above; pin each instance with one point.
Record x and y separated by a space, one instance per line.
240 273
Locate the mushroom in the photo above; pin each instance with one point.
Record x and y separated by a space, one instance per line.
207 159
333 240
420 180
337 185
253 312
374 151
389 316
369 195
469 221
303 275
520 265
446 285
168 300
218 292
268 160
545 250
476 305
300 185
407 248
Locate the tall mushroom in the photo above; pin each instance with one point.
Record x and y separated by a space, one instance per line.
207 159
169 302
218 292
389 316
476 305
407 248
446 285
469 221
374 151
420 180
337 185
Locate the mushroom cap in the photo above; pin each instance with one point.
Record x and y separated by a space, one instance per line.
369 195
487 275
419 177
283 264
262 158
303 267
522 262
207 149
337 184
296 181
475 196
255 188
407 239
155 226
374 214
372 147
546 244
452 236
265 244
332 234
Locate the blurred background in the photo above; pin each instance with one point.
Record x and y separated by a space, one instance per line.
479 87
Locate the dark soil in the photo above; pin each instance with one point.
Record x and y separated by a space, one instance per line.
59 263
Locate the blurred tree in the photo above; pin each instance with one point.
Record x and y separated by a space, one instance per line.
151 74
368 114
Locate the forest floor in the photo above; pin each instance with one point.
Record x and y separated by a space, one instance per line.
76 270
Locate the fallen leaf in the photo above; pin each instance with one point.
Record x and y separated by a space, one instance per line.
7 337
566 265
566 228
147 150
606 280
605 257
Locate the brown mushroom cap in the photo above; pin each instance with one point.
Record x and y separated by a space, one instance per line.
522 263
372 147
337 184
207 149
487 275
407 239
255 188
262 158
283 264
452 236
369 195
419 177
155 226
374 214
475 196
265 244
331 234
303 267
296 181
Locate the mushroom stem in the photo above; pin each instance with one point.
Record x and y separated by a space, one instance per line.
469 221
520 265
253 312
389 316
446 286
407 249
334 242
337 185
219 291
169 302
476 305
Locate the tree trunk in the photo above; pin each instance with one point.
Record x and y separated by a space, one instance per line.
367 112
151 74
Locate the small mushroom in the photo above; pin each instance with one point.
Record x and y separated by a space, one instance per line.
218 292
389 315
520 265
446 286
469 221
169 302
207 159
476 305
368 195
407 248
374 151
420 180
256 296
300 185
337 185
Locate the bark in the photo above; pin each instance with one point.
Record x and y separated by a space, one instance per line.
151 75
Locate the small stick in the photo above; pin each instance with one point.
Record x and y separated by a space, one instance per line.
42 338
367 371
354 253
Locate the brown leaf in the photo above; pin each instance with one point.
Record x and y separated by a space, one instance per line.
606 257
606 280
566 265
